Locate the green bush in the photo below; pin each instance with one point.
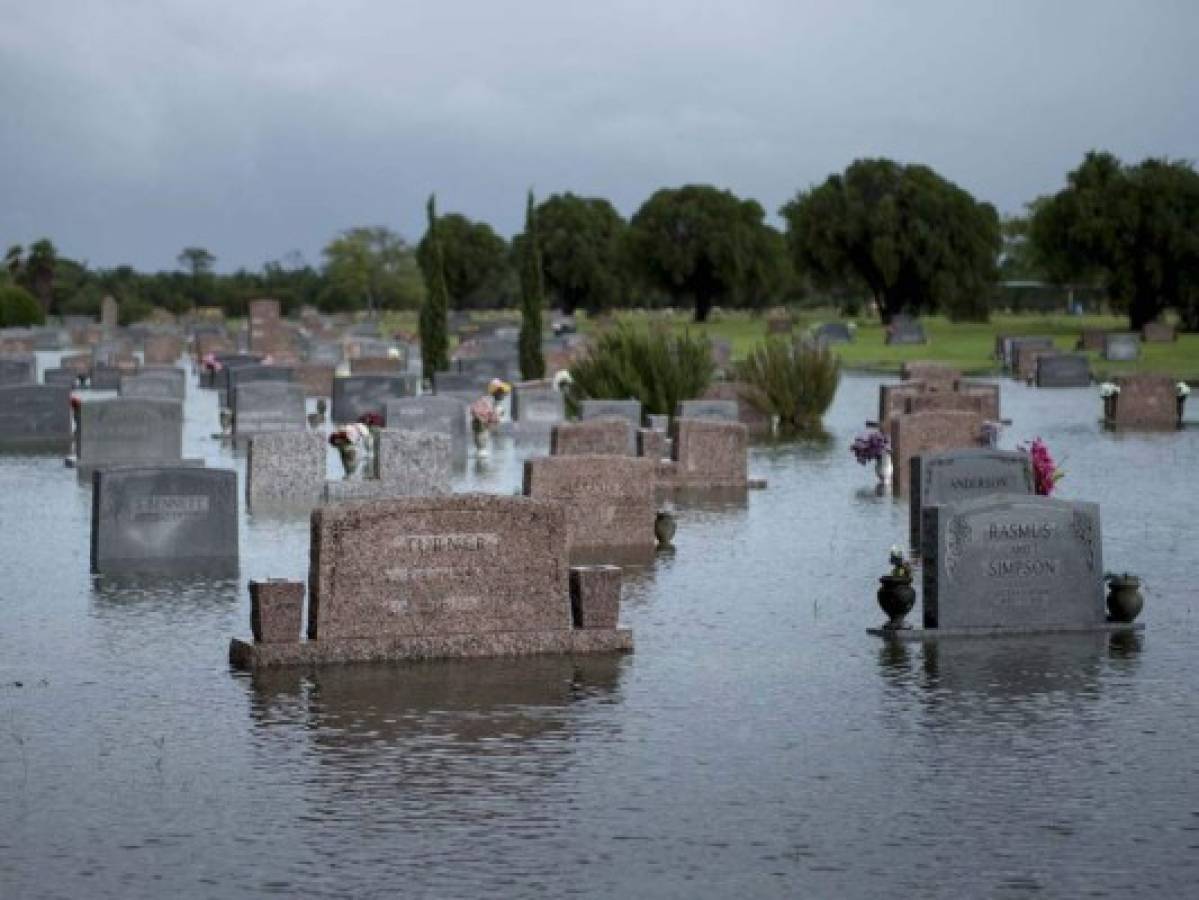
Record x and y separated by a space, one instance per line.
791 380
19 308
658 368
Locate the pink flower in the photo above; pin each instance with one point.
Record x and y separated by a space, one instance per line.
1045 471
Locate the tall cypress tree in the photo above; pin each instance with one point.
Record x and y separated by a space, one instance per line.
532 299
434 341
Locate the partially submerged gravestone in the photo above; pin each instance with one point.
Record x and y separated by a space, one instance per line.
1009 346
598 437
1145 401
285 470
266 406
707 456
357 395
1158 333
431 414
834 333
938 479
1063 370
930 432
715 410
1013 564
35 418
162 349
60 378
904 330
927 370
630 410
315 378
538 407
915 396
404 464
1121 346
609 502
121 432
466 575
164 520
753 418
154 385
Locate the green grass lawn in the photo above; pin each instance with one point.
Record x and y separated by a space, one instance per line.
967 346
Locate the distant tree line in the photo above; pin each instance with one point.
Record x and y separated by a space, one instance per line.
902 238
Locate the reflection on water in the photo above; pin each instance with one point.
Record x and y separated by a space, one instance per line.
757 743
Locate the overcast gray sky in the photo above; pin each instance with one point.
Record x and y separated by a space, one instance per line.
133 128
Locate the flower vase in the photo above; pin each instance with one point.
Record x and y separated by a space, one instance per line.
896 598
1182 403
1124 600
1109 409
349 459
883 468
482 443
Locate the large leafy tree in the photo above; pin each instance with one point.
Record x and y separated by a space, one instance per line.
474 258
915 240
434 330
1135 228
372 267
532 298
581 248
39 271
701 244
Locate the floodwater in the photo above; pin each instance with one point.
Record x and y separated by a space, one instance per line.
758 743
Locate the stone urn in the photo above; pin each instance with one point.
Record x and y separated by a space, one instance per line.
1109 409
896 597
1124 600
884 468
664 529
1182 405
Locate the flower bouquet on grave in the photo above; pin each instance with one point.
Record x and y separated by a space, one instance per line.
347 442
373 422
874 446
483 418
1045 472
76 404
498 390
210 364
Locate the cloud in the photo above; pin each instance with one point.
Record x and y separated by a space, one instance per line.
134 129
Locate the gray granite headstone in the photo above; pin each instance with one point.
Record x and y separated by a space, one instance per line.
285 469
253 374
122 431
834 333
60 377
1014 563
606 409
17 368
164 520
1121 346
718 410
1063 370
266 406
359 394
538 406
431 414
956 475
903 330
159 385
458 384
106 378
35 417
1009 345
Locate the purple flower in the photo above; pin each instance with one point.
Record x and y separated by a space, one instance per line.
870 446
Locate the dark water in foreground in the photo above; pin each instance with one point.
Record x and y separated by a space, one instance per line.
758 743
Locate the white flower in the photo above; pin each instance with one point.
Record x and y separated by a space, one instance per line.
358 432
562 379
1183 389
1107 389
393 352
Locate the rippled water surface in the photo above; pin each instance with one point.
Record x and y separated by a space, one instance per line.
758 742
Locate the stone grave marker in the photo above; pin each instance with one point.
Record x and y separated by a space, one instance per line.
1063 370
1145 400
110 312
834 333
316 379
928 371
1025 360
164 520
1012 344
458 384
941 478
605 409
378 365
404 464
717 410
722 353
17 368
106 378
430 414
35 418
160 385
602 437
904 330
265 406
707 455
1121 346
1158 333
1013 563
162 349
538 406
1091 339
930 432
749 415
609 502
953 401
124 431
359 394
285 469
60 377
253 374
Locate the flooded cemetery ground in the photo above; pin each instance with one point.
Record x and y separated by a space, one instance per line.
757 742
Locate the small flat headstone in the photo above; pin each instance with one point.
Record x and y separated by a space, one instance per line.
359 394
35 418
717 410
1121 346
1063 370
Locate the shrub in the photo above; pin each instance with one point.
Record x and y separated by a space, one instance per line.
794 381
19 308
657 368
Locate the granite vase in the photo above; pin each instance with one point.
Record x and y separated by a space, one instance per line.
896 597
1124 600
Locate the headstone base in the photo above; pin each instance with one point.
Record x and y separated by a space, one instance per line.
339 651
936 634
